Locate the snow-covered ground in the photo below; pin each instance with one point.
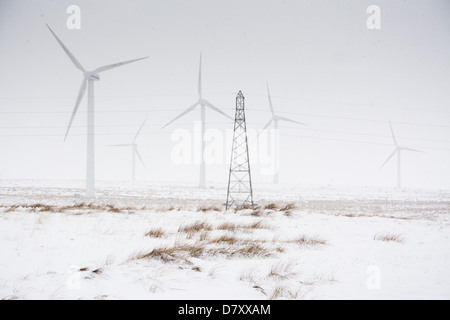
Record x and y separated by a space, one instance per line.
161 241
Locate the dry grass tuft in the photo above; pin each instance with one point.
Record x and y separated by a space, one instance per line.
251 250
227 239
281 270
196 269
208 209
112 208
228 226
309 241
255 225
195 227
214 271
155 233
285 292
289 207
171 254
388 237
203 236
248 276
257 213
97 271
271 206
278 292
243 207
11 208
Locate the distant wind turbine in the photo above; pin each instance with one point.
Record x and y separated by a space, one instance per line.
398 150
203 104
275 120
88 82
134 152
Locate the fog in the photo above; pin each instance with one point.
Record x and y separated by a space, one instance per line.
325 69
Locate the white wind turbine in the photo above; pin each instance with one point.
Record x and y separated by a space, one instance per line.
89 77
134 152
398 150
275 120
203 104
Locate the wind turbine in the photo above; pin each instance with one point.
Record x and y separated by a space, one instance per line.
203 104
89 77
275 120
134 152
398 150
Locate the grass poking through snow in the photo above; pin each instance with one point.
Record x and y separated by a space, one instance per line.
309 241
155 233
388 237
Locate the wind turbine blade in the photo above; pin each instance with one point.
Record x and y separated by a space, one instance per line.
390 157
116 65
393 135
200 77
71 56
139 131
213 107
289 120
191 108
413 150
270 99
77 104
268 124
140 158
265 127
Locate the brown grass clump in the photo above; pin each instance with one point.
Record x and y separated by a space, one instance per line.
155 233
255 225
227 239
171 254
195 227
257 213
251 250
388 237
203 236
242 207
208 209
112 208
228 226
271 206
313 241
289 207
11 208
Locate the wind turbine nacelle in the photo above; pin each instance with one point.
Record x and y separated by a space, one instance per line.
94 77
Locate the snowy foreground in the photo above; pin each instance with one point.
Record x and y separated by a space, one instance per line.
149 241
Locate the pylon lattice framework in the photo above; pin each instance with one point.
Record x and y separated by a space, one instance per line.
240 190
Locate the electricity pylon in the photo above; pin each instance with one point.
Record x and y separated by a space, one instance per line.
240 190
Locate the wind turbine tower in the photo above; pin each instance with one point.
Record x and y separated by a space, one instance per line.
134 152
203 104
275 120
89 78
398 151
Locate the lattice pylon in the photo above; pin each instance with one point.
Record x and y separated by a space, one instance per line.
240 190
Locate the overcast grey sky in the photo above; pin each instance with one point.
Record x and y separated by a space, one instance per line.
324 67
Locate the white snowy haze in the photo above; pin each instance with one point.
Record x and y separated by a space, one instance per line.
324 67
